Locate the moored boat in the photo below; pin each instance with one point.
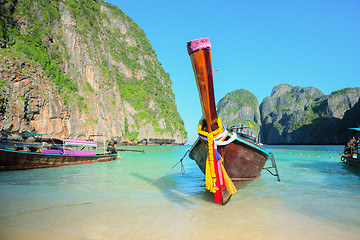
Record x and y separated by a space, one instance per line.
53 152
228 161
351 154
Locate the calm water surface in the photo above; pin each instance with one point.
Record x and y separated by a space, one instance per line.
317 198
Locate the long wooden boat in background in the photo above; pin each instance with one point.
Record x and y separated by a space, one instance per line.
53 152
351 154
228 161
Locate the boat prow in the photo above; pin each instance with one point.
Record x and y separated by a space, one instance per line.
228 161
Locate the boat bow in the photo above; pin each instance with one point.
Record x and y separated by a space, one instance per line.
228 161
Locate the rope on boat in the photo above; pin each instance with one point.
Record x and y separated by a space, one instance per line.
111 199
300 154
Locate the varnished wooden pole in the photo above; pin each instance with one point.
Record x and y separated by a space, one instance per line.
200 54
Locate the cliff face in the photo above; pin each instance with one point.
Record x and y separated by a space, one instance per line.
240 108
297 115
30 101
74 68
294 115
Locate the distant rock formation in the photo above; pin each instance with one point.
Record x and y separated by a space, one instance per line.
304 115
240 108
294 115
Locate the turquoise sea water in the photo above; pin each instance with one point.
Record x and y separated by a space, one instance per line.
317 198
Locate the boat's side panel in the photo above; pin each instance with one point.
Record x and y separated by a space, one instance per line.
198 152
241 160
15 160
243 163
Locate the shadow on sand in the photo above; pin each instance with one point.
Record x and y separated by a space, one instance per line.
169 187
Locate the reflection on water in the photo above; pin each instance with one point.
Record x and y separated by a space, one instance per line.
317 198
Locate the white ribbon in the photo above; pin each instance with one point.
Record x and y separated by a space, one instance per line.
221 136
230 140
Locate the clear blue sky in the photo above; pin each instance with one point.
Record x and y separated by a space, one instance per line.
256 45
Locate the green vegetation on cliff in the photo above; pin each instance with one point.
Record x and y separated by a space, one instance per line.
240 107
304 115
243 97
31 42
36 30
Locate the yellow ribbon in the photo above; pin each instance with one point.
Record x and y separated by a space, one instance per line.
210 175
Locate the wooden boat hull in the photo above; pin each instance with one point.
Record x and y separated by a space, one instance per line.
18 160
243 161
353 162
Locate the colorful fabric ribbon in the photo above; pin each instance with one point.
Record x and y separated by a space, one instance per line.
216 177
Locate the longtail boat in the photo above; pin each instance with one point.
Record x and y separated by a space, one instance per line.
228 161
351 154
53 152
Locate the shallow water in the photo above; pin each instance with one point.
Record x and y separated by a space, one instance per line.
317 198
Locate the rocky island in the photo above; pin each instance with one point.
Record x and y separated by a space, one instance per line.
240 108
295 115
69 69
304 115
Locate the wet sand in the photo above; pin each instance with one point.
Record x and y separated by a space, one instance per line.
18 233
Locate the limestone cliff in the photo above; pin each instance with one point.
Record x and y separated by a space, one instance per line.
304 115
29 101
73 68
294 115
240 108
